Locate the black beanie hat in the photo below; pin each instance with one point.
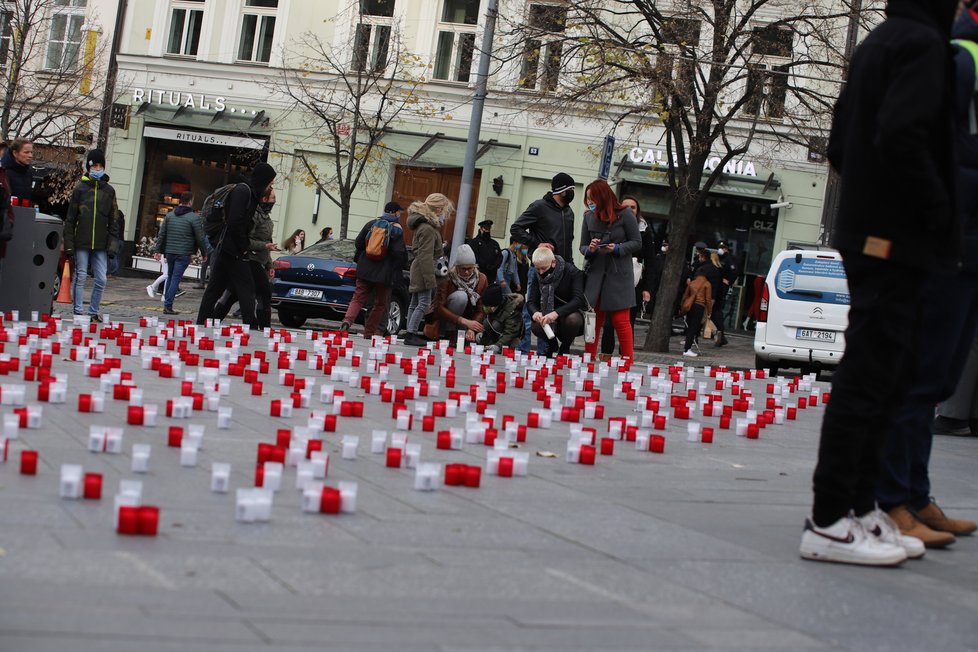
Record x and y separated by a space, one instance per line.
561 182
492 296
95 157
261 176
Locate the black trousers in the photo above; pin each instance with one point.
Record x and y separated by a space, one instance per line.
694 323
871 382
263 297
234 274
719 305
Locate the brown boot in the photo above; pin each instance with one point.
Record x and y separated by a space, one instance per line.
933 517
910 526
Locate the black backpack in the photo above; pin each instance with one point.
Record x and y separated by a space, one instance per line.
212 214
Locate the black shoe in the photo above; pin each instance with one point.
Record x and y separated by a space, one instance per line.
199 286
95 317
415 339
345 327
170 311
721 339
951 427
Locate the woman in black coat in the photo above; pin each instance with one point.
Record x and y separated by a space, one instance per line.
556 300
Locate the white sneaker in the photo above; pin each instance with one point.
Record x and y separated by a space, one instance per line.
151 291
878 524
847 542
690 354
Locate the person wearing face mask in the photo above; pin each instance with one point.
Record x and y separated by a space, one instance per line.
180 235
609 239
487 252
556 302
728 276
548 221
503 323
259 260
91 231
425 219
458 301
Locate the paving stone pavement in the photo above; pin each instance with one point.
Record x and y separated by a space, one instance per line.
694 549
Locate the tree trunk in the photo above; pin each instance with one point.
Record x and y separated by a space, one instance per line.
681 223
344 215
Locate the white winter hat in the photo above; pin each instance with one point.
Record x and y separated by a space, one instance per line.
464 255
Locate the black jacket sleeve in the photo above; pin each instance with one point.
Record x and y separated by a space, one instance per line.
239 215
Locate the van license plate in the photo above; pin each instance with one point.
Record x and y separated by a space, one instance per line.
306 294
815 336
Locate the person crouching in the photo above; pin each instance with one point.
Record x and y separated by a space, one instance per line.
503 322
458 301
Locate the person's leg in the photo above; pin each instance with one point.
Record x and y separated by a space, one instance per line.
623 329
422 301
608 341
263 294
382 296
80 269
694 321
178 265
525 343
359 297
457 302
592 347
872 377
244 286
960 405
568 329
218 283
99 260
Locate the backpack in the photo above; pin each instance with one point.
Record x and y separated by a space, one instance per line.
378 240
212 213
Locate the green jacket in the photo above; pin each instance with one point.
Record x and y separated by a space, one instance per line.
261 235
505 326
93 217
181 234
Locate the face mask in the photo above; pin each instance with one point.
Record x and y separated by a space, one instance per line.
664 249
96 174
267 206
722 252
592 207
568 196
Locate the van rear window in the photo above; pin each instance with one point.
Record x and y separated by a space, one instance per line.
816 280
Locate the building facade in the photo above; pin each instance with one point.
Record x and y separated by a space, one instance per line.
199 101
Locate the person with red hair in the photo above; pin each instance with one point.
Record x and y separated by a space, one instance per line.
609 239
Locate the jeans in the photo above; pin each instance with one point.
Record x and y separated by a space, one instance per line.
381 294
177 265
870 383
420 305
98 258
531 280
950 315
113 266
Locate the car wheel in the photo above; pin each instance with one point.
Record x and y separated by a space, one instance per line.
770 365
290 319
396 315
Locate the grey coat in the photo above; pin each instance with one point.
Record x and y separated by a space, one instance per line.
609 280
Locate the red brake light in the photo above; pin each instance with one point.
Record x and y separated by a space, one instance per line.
346 272
281 264
762 310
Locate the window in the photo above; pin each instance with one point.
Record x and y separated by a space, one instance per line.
772 41
768 88
257 31
675 64
185 23
6 17
456 40
64 39
371 44
541 56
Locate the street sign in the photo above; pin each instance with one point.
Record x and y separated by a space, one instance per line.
606 157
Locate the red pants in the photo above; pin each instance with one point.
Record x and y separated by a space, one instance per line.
382 295
621 322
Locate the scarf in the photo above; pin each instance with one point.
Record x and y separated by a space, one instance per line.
468 286
548 285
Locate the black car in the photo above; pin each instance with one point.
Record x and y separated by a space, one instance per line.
319 281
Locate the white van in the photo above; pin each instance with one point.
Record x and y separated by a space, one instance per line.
804 312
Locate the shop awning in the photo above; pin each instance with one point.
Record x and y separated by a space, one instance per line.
765 189
441 149
203 118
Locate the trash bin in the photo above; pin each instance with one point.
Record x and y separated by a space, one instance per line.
30 268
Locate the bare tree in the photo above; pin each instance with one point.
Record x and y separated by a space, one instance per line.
348 98
709 77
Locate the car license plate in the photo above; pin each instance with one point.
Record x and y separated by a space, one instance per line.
303 293
814 335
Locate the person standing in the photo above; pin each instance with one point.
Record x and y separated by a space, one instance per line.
6 216
697 305
549 220
91 231
180 235
18 161
229 260
645 257
377 272
728 276
897 103
425 218
487 253
609 239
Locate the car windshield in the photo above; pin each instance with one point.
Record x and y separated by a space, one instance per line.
821 280
331 250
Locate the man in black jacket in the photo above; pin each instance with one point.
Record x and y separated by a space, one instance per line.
487 253
547 221
18 162
229 265
896 224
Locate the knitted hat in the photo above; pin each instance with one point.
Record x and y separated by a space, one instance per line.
561 182
261 176
95 157
464 255
392 207
493 296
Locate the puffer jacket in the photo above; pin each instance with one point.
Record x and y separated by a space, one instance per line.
441 314
699 291
504 327
93 217
261 235
182 233
427 247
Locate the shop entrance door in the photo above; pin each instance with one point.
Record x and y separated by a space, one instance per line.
416 183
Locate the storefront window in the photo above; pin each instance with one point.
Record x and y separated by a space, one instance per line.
185 24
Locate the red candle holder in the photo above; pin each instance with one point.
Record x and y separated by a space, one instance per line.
659 422
802 402
394 458
264 452
128 520
329 423
312 446
330 501
174 437
256 388
283 437
92 486
148 520
657 444
28 462
454 474
275 409
753 431
443 440
706 435
791 413
472 476
607 446
725 422
260 475
587 454
505 467
134 415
